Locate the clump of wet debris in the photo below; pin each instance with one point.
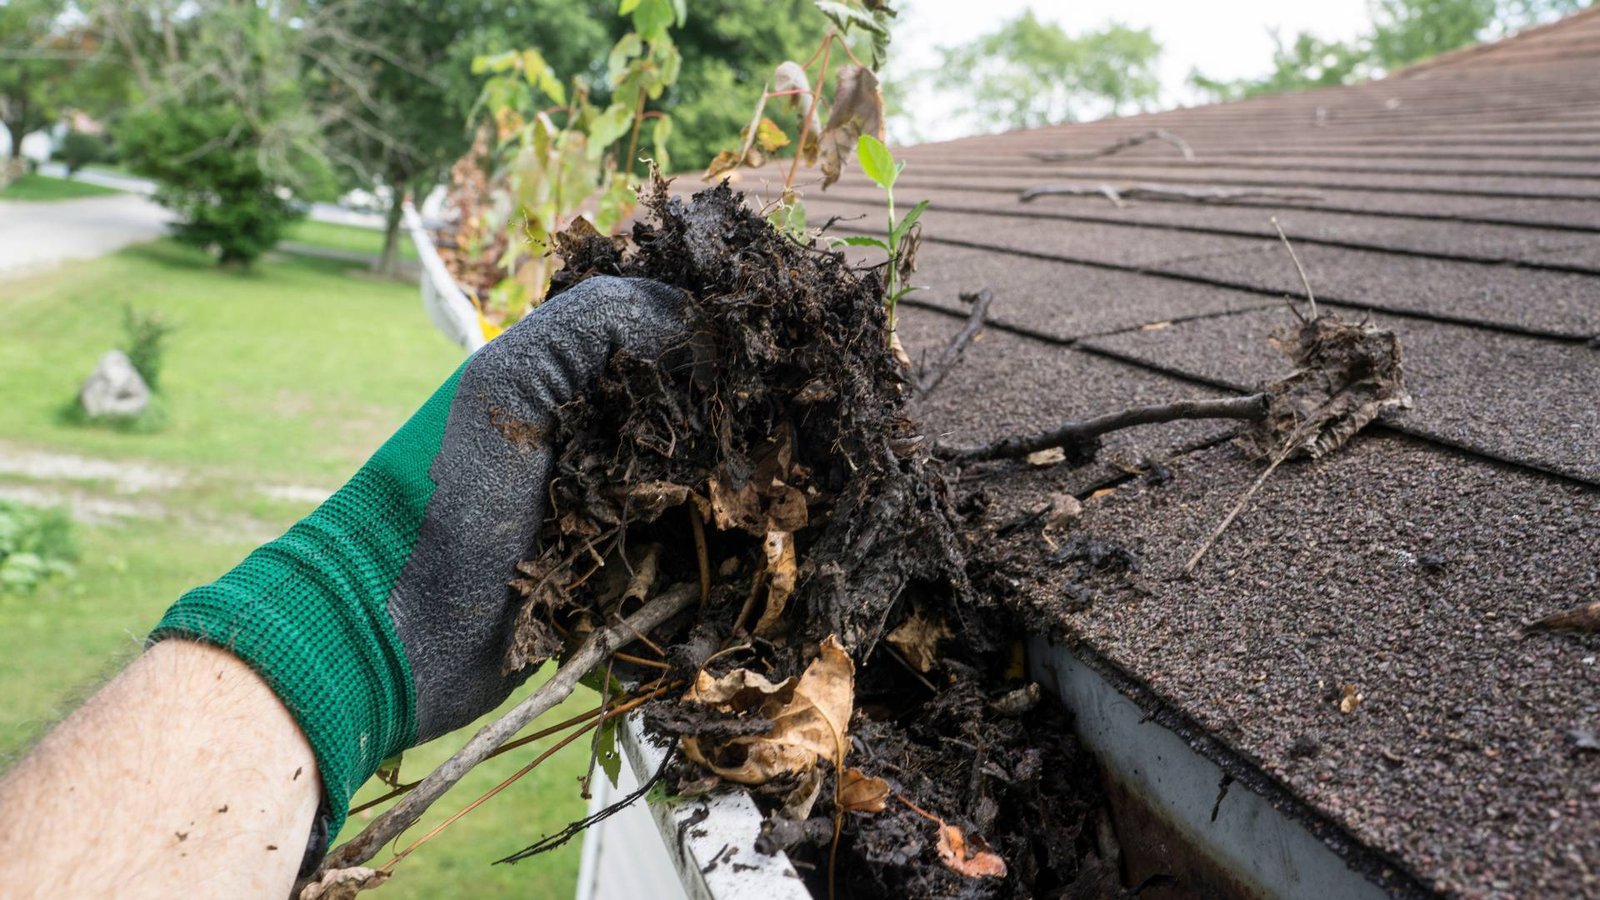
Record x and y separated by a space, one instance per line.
840 665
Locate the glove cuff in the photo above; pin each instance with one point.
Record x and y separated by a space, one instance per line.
309 611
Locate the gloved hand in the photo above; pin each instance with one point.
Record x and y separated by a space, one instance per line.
381 619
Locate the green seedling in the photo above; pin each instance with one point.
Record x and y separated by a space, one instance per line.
881 166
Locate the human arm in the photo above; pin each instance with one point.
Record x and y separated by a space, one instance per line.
185 775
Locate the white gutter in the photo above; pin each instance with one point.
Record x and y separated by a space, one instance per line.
447 305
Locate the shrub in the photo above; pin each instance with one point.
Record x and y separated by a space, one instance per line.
79 149
207 162
35 545
146 335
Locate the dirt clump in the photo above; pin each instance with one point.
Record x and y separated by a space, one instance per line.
841 666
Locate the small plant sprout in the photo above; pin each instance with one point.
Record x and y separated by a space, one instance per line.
900 246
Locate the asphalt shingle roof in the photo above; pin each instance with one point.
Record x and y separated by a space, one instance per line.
1458 203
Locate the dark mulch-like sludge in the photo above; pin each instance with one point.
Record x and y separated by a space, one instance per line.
841 622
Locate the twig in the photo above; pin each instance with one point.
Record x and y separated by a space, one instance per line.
1238 507
702 555
1310 297
590 654
1082 433
935 373
1160 134
573 829
1117 194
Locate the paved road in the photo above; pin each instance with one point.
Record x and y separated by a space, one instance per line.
41 235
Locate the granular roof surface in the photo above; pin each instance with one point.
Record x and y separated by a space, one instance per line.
1456 203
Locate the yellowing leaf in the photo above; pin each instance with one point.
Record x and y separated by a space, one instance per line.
809 718
859 792
725 162
769 137
857 110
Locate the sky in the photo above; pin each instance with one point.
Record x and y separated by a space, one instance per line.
1223 38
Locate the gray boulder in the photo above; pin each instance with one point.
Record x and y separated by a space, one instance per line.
114 388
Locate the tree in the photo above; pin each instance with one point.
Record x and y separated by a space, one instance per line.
225 130
41 62
1029 73
1402 32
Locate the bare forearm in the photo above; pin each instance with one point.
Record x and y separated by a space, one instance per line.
183 776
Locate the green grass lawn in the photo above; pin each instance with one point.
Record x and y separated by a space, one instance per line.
346 237
288 375
43 187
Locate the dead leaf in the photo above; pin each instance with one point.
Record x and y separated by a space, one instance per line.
781 577
1349 698
1047 457
725 161
1103 492
970 858
857 110
786 511
643 579
859 792
1583 619
647 500
809 718
736 507
1345 376
343 884
790 76
918 639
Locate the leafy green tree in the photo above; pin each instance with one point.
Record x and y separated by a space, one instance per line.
226 131
1309 62
1406 31
45 65
1029 73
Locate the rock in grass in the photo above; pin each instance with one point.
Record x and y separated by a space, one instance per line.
114 389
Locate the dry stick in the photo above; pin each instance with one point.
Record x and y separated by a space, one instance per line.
1159 134
702 555
1310 297
1252 408
595 650
933 374
1146 191
1238 507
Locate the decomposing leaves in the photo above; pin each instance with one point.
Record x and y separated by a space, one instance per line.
857 110
917 639
860 792
1581 619
781 577
971 858
1345 376
809 718
1350 697
736 507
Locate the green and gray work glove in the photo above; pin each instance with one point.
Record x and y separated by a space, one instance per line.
381 619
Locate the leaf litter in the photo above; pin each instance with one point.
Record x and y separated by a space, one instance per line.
854 645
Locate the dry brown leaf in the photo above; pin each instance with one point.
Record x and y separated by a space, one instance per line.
1064 509
809 717
970 858
860 792
918 639
787 509
1584 619
343 884
643 580
736 507
791 76
857 110
1345 376
647 500
781 577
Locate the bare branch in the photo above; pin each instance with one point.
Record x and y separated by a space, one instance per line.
935 373
597 649
1147 191
1083 436
1160 134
